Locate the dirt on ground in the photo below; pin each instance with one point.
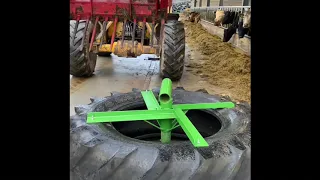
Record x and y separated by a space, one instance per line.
218 62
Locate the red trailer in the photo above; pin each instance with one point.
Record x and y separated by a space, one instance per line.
125 28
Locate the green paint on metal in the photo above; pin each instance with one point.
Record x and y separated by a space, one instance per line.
165 137
165 96
166 127
136 115
193 134
218 105
174 122
165 99
168 116
152 124
174 127
150 100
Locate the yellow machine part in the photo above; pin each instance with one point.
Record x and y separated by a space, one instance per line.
119 30
169 9
127 50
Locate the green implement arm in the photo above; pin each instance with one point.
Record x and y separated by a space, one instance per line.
169 116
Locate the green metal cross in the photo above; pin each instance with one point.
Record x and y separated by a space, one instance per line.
168 116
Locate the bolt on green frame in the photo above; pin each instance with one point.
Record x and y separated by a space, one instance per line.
168 116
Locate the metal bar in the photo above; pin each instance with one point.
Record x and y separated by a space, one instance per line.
165 98
94 33
165 95
174 127
205 16
150 100
123 31
151 35
219 7
165 135
213 24
174 122
153 59
193 134
134 32
104 31
217 105
225 28
143 31
136 115
91 3
152 125
114 31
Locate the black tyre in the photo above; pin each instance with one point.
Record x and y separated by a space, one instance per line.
113 151
173 50
82 62
104 54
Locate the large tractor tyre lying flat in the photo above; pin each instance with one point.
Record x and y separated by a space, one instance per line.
173 50
104 151
82 62
104 54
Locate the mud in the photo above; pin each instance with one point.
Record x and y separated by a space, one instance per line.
76 83
218 63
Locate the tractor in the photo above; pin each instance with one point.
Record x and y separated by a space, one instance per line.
126 28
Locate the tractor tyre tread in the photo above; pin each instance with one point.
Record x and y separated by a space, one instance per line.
173 48
99 151
82 62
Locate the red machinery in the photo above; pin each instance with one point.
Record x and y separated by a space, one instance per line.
112 9
128 34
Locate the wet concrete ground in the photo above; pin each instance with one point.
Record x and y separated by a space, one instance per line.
122 74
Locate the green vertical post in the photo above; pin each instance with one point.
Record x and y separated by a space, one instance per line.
165 99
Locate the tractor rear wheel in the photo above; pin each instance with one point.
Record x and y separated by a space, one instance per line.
172 50
82 62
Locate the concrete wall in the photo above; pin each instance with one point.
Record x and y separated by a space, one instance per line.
214 2
204 3
197 3
244 43
224 3
232 2
192 3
